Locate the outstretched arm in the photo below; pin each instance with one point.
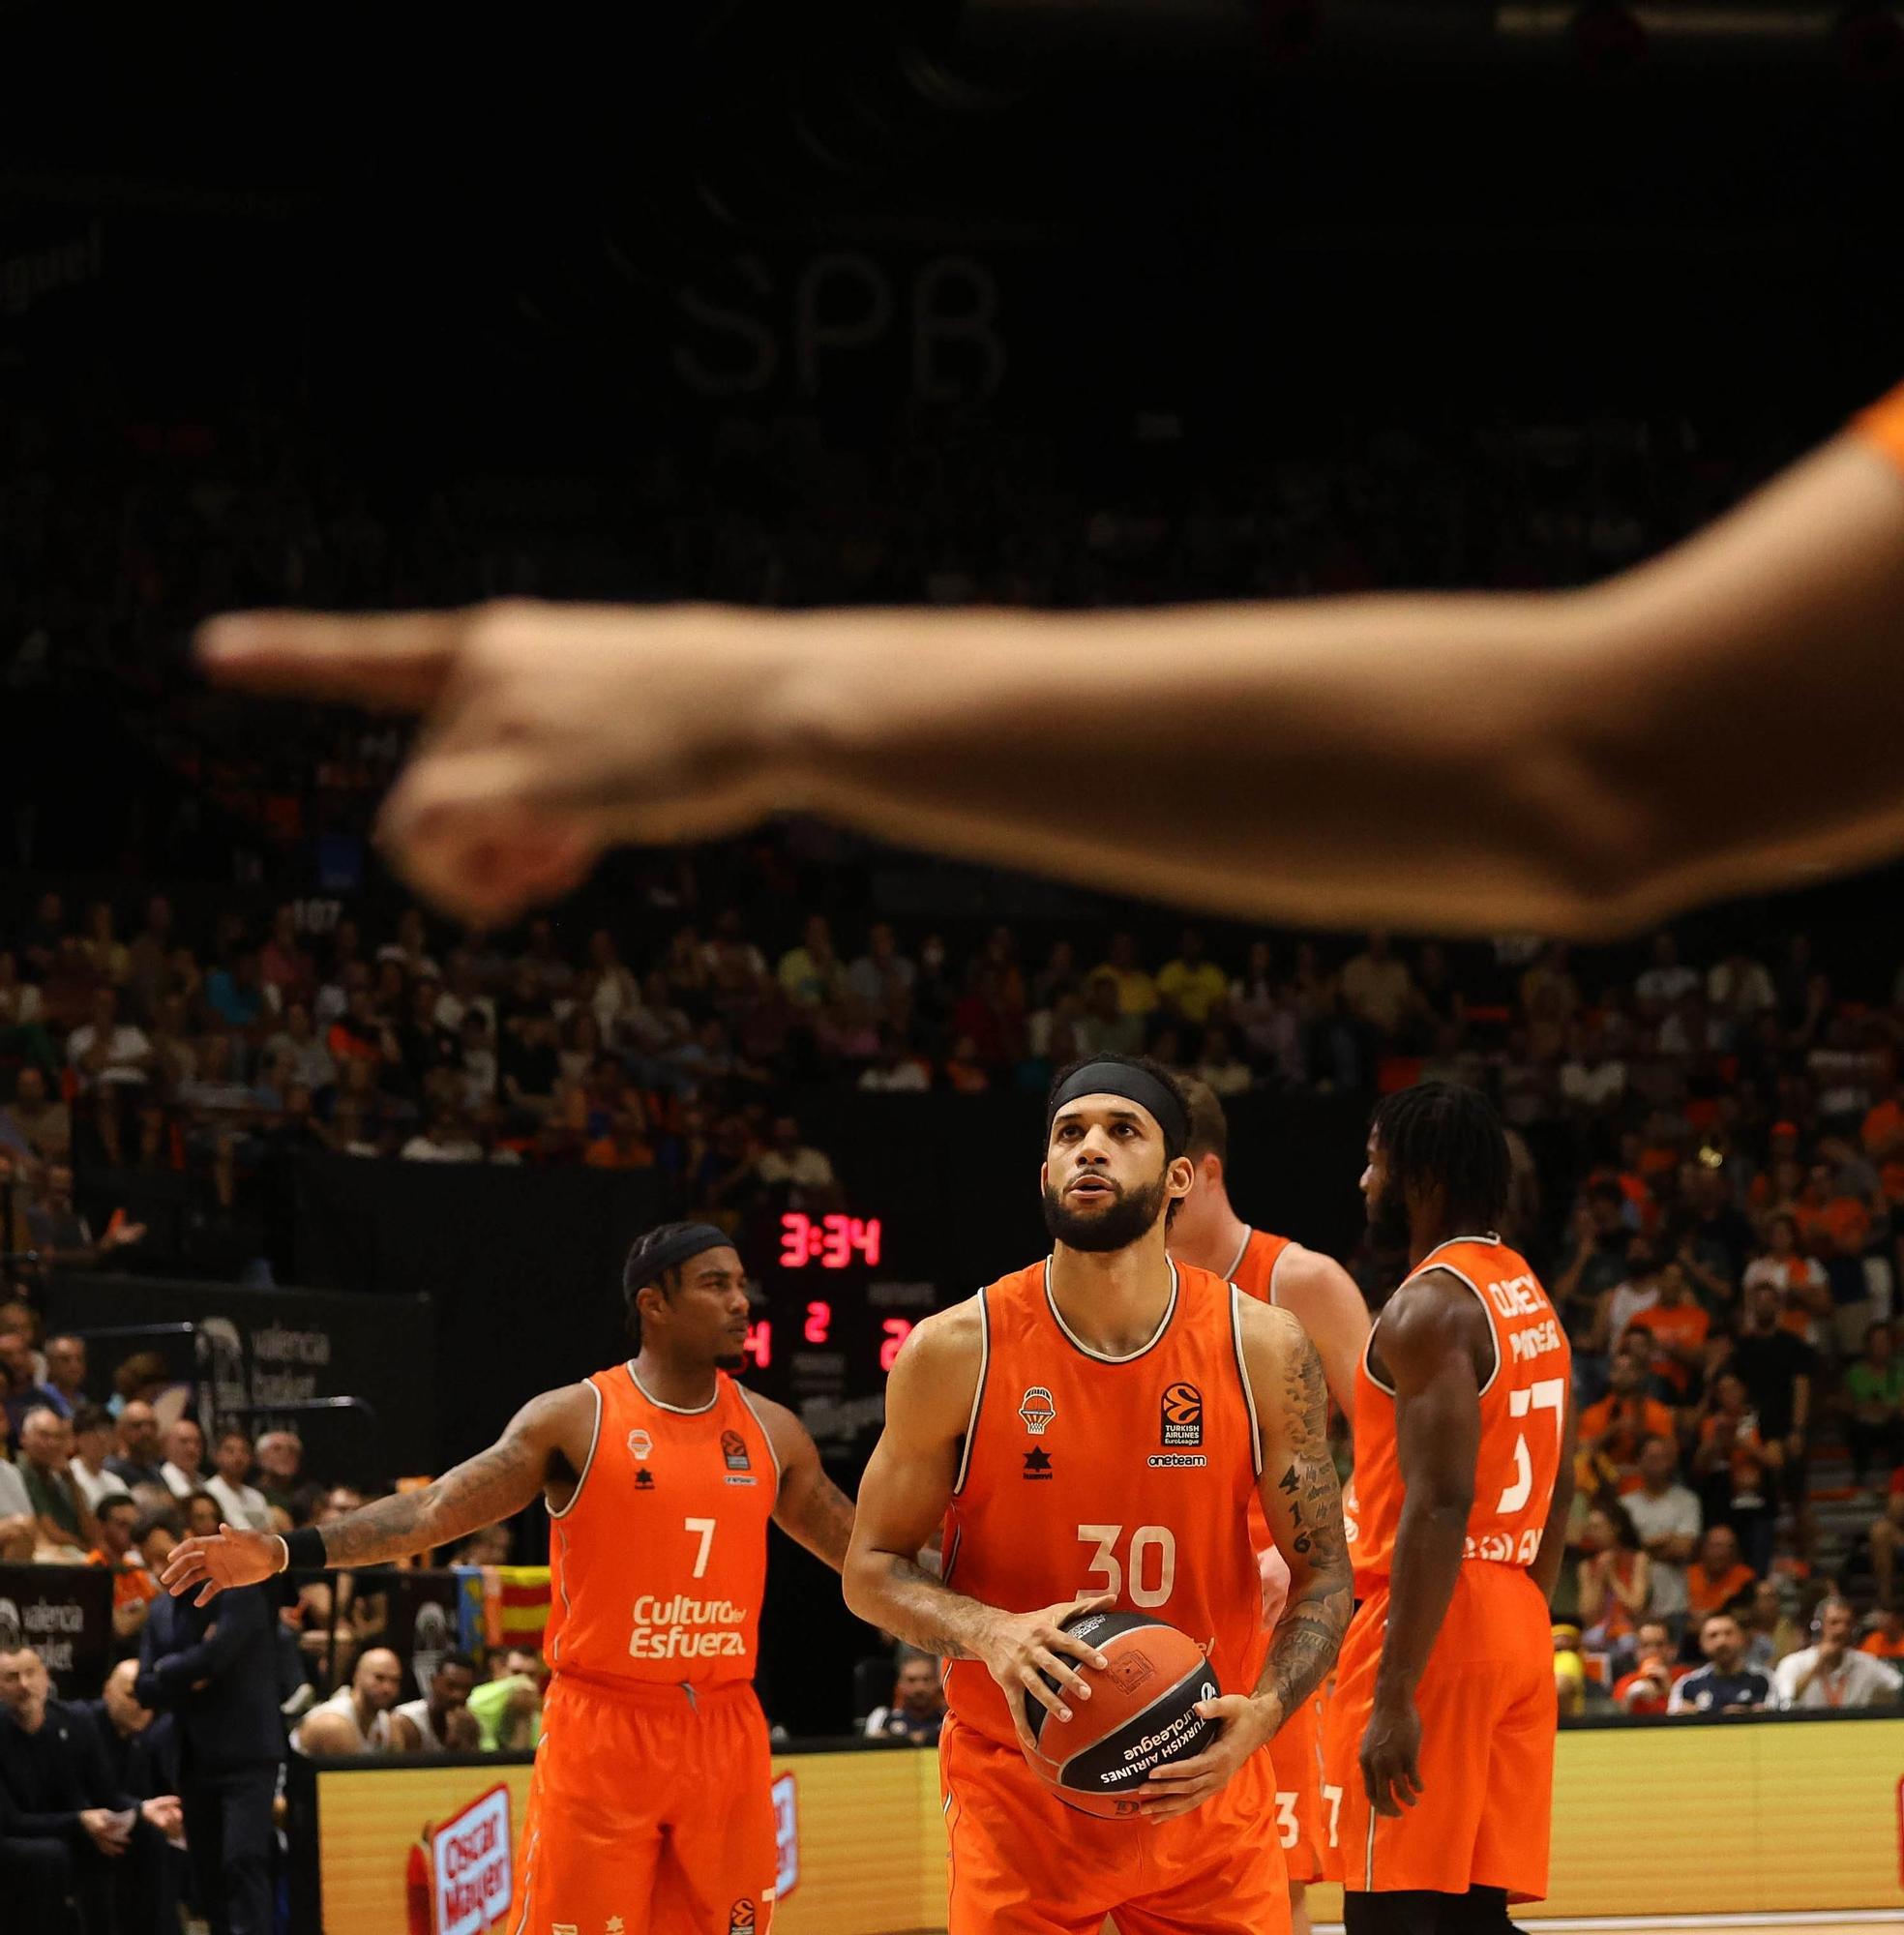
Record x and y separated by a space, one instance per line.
1434 1340
810 1508
546 1445
1542 763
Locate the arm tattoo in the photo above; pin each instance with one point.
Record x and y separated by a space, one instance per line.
924 1611
492 1485
1309 1634
820 1516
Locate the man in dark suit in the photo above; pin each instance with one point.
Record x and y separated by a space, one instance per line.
140 1747
70 1832
216 1668
140 1751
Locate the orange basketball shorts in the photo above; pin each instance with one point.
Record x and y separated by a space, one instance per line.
1302 1819
648 1814
1488 1717
1024 1864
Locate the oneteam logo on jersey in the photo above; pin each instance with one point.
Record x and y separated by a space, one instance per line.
1038 1409
1181 1425
733 1448
641 1445
1037 1463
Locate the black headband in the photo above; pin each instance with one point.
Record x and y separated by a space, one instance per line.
1134 1085
654 1254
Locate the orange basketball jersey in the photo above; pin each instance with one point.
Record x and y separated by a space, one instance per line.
1882 426
1128 1475
1254 1272
1523 1414
657 1563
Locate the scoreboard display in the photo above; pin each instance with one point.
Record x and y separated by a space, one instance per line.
831 1314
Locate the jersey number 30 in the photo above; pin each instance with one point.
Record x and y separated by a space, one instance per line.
1149 1560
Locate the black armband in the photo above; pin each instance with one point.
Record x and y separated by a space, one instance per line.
304 1550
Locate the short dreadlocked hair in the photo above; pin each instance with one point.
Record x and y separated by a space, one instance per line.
1441 1136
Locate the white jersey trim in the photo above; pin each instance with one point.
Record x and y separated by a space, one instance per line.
1276 1269
764 1433
1078 1344
529 1877
1426 1263
679 1410
588 1462
1368 1361
1242 1250
1242 1371
567 1611
979 1393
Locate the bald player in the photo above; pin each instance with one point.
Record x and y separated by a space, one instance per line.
650 1809
1470 763
1322 1296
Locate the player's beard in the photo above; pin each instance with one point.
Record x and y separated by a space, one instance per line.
1131 1217
731 1361
1388 1221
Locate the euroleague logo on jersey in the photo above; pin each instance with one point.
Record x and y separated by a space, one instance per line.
740 1916
1181 1425
733 1448
1038 1409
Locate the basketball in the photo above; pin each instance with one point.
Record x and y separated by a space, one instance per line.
1141 1714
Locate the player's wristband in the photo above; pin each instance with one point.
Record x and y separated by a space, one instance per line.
304 1549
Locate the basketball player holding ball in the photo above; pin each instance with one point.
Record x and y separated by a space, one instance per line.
650 1810
1439 1741
1086 1435
1322 1298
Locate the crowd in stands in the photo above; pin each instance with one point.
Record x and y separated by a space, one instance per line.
1712 1153
1710 1148
99 1811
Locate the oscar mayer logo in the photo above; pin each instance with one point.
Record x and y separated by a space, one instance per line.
787 1836
470 1873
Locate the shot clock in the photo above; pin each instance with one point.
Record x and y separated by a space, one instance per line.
831 1322
829 1242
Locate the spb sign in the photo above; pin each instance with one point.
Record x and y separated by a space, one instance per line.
473 1886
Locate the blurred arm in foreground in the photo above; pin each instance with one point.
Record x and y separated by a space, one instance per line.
1717 722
